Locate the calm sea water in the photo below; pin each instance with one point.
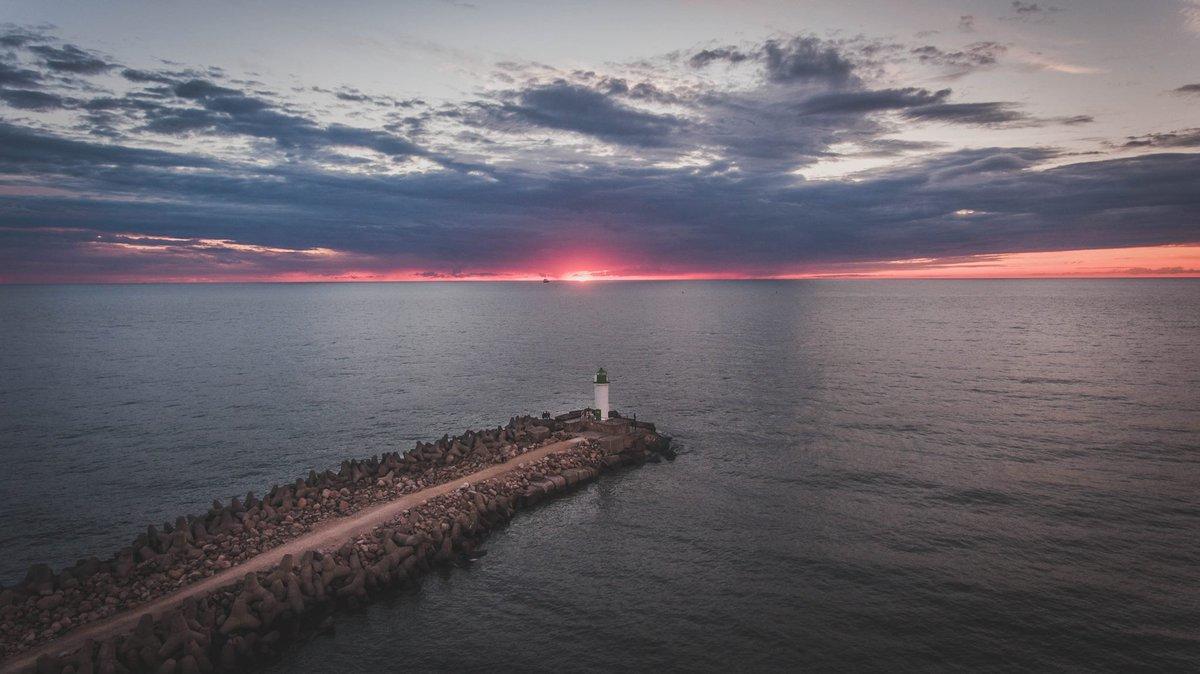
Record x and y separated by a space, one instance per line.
874 475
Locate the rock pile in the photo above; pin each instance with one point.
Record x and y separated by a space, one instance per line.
46 604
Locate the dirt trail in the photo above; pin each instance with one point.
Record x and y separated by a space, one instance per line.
331 534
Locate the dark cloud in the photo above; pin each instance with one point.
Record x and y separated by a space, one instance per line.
683 221
892 147
1182 138
570 107
725 54
134 75
353 96
679 218
855 102
340 134
764 128
25 99
70 59
717 184
984 163
1072 120
16 36
23 149
12 76
805 59
1189 89
226 111
641 91
969 113
169 120
200 90
992 113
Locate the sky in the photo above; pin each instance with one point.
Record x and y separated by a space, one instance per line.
455 140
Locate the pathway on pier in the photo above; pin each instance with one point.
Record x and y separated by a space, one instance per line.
330 534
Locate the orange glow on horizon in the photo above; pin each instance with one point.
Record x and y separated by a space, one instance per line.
1134 262
141 258
1181 261
584 276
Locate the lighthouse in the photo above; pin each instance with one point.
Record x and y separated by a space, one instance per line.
602 394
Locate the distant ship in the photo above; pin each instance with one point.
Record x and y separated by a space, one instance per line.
545 280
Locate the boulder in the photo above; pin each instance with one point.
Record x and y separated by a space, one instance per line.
39 579
240 617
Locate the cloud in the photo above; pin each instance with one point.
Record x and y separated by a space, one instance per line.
1040 61
1191 15
705 57
872 101
227 111
20 77
26 149
972 57
134 75
802 58
1031 12
215 109
17 36
455 272
570 107
1181 138
983 163
966 23
24 99
679 220
992 113
639 91
1031 8
651 167
1188 90
1071 120
70 59
204 90
753 129
894 147
353 96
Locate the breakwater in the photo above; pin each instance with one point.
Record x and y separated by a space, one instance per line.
225 589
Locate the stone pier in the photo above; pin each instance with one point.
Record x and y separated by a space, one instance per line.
226 589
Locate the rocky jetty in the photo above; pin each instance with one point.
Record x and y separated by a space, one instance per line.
236 626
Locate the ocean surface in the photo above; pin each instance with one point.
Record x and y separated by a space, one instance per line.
994 475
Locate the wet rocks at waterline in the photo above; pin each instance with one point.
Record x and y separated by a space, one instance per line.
235 626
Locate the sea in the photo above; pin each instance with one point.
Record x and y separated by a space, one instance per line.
872 475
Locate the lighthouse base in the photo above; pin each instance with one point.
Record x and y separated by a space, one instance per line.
602 400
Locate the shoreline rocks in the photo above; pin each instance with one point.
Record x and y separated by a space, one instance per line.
228 628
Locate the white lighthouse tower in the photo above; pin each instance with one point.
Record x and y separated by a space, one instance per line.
602 393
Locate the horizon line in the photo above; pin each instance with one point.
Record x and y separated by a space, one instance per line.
206 282
200 266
